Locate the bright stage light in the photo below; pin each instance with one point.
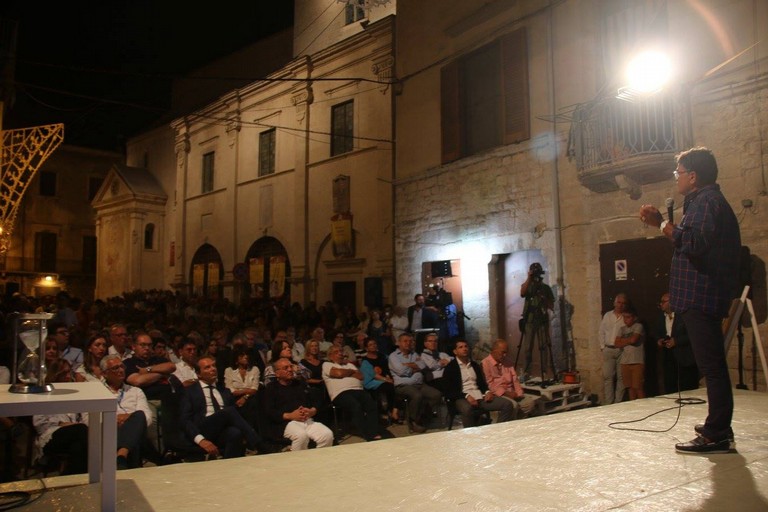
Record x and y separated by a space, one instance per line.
648 72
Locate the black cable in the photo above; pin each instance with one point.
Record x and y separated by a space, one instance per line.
682 402
20 498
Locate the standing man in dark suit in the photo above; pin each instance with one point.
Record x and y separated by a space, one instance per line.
672 338
421 316
210 418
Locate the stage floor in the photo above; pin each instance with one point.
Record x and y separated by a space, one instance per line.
568 461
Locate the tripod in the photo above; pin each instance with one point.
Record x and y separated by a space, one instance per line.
533 333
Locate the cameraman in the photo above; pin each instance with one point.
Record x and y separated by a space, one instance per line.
535 322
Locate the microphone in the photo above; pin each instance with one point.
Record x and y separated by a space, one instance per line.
670 209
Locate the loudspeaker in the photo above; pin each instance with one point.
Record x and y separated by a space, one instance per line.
373 292
745 270
441 268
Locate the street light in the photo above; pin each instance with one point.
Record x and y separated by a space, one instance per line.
646 74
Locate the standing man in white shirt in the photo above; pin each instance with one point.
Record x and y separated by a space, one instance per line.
613 386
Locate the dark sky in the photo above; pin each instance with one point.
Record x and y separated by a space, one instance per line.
104 67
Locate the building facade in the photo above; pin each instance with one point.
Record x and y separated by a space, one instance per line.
53 244
513 147
281 188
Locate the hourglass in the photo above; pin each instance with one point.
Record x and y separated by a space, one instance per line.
29 357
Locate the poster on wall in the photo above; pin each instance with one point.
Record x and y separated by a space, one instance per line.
341 235
276 276
198 275
213 277
256 276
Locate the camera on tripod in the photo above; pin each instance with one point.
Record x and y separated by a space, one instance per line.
536 271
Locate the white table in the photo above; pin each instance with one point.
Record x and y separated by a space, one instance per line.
91 397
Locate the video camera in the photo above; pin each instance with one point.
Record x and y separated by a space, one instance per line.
536 271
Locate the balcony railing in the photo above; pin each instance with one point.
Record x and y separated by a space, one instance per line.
614 136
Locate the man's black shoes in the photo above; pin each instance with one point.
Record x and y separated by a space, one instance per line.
699 429
702 445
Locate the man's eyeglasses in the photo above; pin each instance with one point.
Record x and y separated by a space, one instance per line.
63 333
678 173
116 368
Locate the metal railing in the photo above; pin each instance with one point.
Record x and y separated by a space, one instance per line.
614 130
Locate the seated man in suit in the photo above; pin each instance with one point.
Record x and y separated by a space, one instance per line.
345 387
465 385
502 380
290 409
210 419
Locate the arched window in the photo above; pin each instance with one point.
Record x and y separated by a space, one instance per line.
149 236
269 270
206 272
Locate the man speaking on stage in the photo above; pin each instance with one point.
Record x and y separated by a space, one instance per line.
703 280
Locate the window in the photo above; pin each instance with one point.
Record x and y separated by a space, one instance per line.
47 183
267 152
341 128
354 12
149 236
207 185
484 98
89 255
94 184
45 251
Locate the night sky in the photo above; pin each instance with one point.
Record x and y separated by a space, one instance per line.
104 68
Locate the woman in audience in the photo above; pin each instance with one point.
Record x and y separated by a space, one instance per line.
379 331
280 349
52 351
313 365
210 349
242 379
378 379
95 350
347 351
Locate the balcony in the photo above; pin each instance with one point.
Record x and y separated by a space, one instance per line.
621 145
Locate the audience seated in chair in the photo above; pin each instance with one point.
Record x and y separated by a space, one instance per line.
467 389
185 369
435 362
210 419
290 409
95 350
500 375
406 367
146 371
242 380
63 437
133 413
378 380
345 387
